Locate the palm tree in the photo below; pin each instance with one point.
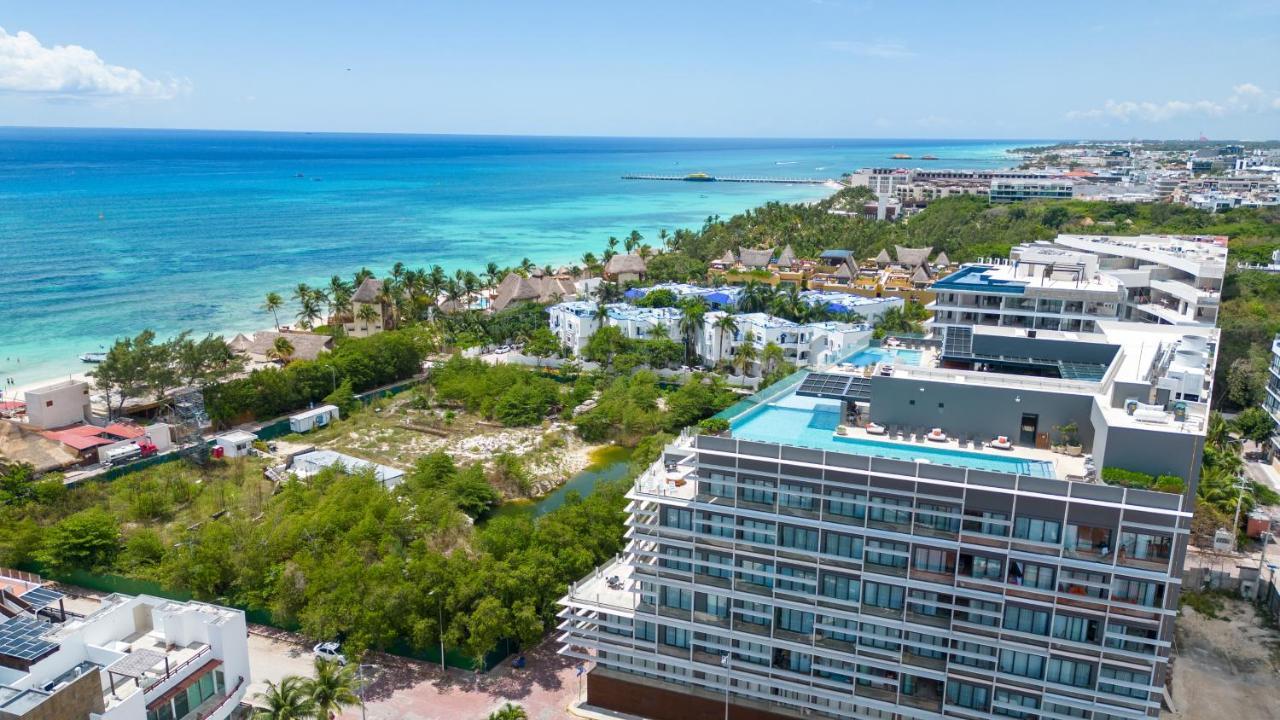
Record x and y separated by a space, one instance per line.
692 318
309 313
772 356
287 701
746 354
491 273
590 261
659 331
272 304
664 239
367 314
725 324
339 295
633 241
601 313
756 297
509 712
281 350
612 246
302 293
389 298
361 275
526 265
332 689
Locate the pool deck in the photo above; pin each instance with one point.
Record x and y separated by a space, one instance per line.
1064 466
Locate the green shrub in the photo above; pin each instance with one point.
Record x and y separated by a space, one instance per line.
713 426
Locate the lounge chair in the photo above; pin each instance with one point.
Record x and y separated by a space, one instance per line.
962 441
1002 443
875 429
936 435
921 433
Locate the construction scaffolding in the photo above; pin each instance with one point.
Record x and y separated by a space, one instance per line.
189 423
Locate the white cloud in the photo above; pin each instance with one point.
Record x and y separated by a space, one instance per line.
72 71
882 49
1244 98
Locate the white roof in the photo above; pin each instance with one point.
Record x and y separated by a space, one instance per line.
314 412
237 436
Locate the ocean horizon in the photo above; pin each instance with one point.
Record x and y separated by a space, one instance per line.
106 232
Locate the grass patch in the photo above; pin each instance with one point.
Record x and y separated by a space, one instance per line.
1208 603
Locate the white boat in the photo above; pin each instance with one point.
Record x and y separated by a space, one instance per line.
93 357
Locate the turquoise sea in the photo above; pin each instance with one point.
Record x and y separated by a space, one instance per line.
104 233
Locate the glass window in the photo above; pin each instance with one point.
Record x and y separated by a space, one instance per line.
1026 620
1075 629
938 517
716 524
675 637
165 712
986 522
755 572
674 597
669 552
182 704
677 518
645 631
716 605
887 553
796 621
756 490
1136 639
930 646
799 538
1145 546
1079 582
1138 592
882 595
1022 664
846 546
757 531
1087 539
890 510
973 655
1037 530
715 564
936 561
799 662
207 688
1030 575
879 636
847 504
978 612
754 613
839 587
1012 698
968 695
799 497
1128 676
720 485
797 579
1070 672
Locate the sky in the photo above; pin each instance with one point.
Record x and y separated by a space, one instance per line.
719 68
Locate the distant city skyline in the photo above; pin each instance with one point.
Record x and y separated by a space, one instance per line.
798 69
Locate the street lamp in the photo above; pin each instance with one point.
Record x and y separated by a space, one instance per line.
440 628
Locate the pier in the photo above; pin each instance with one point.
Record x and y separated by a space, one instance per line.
701 177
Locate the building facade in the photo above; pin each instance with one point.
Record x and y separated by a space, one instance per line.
1007 191
797 567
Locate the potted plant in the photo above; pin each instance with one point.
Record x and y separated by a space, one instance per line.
1069 437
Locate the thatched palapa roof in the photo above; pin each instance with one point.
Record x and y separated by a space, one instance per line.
755 257
622 264
369 292
912 257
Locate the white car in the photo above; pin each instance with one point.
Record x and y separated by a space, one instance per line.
328 651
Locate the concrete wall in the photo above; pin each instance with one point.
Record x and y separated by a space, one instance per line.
1154 452
982 410
59 405
658 701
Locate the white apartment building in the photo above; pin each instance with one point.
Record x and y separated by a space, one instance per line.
803 345
1271 403
1075 281
800 565
1014 190
135 658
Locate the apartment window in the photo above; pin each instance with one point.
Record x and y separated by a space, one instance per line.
757 531
882 595
754 653
646 631
1147 594
1007 697
796 579
937 517
1073 582
846 546
1037 530
1075 629
677 518
754 572
1086 539
756 490
879 636
715 564
1128 676
1065 710
678 598
935 561
968 695
929 603
1145 546
840 629
1135 639
983 568
716 524
675 552
886 553
799 662
754 613
1030 575
716 605
797 621
799 538
929 646
890 510
799 497
973 655
839 587
847 504
1026 620
675 637
720 485
978 612
1070 672
1021 664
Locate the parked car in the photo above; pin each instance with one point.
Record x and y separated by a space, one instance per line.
329 651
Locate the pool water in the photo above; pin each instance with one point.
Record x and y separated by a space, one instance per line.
871 356
811 422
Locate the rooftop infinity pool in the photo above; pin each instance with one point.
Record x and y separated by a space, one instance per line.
811 422
871 356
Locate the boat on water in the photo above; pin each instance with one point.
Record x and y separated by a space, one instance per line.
93 357
699 177
928 157
900 156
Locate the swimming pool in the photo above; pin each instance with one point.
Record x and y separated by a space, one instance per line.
873 355
811 422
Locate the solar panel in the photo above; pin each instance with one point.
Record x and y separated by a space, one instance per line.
40 598
22 638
